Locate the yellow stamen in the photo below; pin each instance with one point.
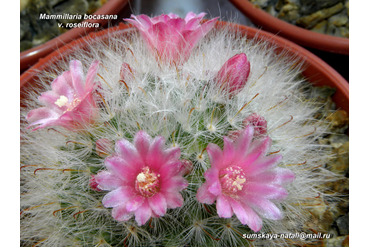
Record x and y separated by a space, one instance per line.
62 101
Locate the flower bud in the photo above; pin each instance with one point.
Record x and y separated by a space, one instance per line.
93 184
233 75
258 122
186 167
234 134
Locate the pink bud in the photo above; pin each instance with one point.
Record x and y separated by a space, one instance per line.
93 184
234 134
258 122
186 167
104 147
233 75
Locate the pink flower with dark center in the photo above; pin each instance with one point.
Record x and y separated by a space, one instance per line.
171 37
244 181
144 179
233 74
70 103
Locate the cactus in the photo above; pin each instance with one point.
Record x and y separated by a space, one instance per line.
91 169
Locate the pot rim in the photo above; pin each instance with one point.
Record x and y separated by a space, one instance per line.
315 69
29 57
294 33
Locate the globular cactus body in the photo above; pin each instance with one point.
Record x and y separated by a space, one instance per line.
185 116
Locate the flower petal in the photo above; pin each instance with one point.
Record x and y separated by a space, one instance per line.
143 213
191 15
262 164
207 26
155 156
239 211
229 151
215 188
62 85
77 74
246 215
121 214
248 161
223 207
43 116
172 153
117 197
122 169
215 155
162 35
267 191
204 196
107 180
192 24
142 142
173 199
211 174
158 204
261 145
144 21
169 169
134 203
177 23
265 208
42 113
243 142
176 183
276 176
91 74
128 152
48 99
136 24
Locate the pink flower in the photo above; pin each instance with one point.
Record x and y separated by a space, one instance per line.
70 103
171 37
233 75
144 179
244 181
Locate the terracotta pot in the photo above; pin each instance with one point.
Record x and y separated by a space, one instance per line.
31 56
294 33
316 70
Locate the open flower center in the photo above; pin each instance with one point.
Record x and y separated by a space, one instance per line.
232 179
63 101
147 182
